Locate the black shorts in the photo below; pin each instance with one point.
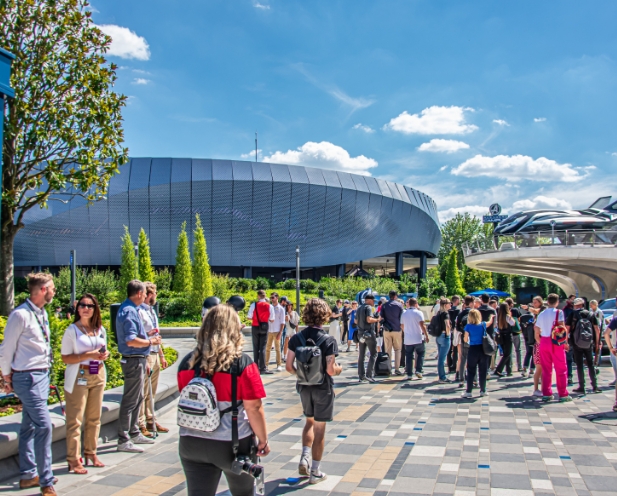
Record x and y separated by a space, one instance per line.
317 403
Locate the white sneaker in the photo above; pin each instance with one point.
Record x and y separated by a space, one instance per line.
483 393
129 447
538 393
303 466
279 368
466 395
317 478
409 377
141 439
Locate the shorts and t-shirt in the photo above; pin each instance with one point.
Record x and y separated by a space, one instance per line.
317 401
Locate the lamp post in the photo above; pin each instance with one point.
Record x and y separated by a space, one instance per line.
298 279
136 246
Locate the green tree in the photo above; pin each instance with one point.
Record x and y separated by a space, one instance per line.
432 286
453 277
183 272
475 280
63 130
146 272
128 264
202 275
461 229
502 282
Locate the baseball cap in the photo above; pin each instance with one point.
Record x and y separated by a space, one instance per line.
579 301
346 301
382 299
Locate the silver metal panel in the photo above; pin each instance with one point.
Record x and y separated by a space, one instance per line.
181 174
315 176
282 252
346 180
383 187
373 187
360 183
331 178
394 191
139 206
160 211
241 232
222 207
201 197
262 210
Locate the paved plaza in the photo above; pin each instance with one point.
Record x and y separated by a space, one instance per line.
399 437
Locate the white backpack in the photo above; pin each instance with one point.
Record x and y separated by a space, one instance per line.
198 408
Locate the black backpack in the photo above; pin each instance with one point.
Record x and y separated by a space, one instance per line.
527 325
435 325
461 321
583 333
382 365
309 362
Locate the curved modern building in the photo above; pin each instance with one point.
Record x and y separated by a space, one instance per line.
254 214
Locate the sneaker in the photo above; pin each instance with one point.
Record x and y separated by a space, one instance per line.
445 381
524 373
398 372
570 381
141 439
483 393
579 390
509 375
418 375
409 377
466 395
303 466
363 380
460 384
547 398
317 478
371 380
537 392
597 390
565 399
498 374
129 447
267 372
279 368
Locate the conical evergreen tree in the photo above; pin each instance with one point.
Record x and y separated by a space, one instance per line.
146 272
128 267
202 275
453 277
183 273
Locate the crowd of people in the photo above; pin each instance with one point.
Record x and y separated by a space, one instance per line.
477 338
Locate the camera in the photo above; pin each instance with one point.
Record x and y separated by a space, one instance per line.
244 464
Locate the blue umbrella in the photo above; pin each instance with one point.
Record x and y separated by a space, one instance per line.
490 292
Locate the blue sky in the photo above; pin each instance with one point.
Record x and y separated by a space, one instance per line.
471 102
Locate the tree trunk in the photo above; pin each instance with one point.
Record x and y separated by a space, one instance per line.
7 293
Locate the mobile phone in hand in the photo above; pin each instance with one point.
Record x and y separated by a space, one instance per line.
103 349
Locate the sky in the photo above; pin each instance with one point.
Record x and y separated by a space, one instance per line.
471 102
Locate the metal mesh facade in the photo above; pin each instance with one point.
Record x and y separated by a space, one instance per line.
253 214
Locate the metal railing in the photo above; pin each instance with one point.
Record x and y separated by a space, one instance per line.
580 238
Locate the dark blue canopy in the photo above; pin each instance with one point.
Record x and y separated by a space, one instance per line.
490 292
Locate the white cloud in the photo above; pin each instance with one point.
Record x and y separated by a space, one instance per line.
140 71
517 167
475 210
541 202
501 122
325 155
433 120
125 43
251 155
539 119
261 6
140 81
362 127
443 145
614 154
443 168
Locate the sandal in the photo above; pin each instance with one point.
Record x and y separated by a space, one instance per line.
95 461
76 467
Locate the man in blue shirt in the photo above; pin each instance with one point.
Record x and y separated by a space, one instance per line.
134 346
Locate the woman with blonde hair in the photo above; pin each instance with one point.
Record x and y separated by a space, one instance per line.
476 358
206 455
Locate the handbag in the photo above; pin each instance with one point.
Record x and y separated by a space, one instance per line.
488 344
559 334
264 327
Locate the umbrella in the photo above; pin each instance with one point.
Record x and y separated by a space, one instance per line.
490 292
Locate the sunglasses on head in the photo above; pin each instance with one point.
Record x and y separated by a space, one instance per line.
87 305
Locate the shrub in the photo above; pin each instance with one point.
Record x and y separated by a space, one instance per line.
262 283
128 267
163 279
202 275
103 284
176 307
183 273
246 285
144 263
308 285
289 284
21 284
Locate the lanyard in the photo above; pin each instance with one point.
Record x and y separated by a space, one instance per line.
41 325
92 343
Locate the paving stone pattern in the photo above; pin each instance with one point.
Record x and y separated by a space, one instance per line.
399 437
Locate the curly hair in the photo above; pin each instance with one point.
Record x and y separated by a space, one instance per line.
219 340
316 312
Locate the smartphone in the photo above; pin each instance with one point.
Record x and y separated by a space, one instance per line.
103 349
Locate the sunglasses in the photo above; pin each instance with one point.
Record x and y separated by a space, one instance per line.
87 305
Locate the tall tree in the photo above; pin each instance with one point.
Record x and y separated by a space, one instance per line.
202 275
475 280
146 272
461 229
128 267
432 286
453 277
502 282
183 272
63 130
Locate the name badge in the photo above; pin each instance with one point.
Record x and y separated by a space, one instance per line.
81 381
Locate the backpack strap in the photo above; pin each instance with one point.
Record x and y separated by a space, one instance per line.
302 338
235 443
321 339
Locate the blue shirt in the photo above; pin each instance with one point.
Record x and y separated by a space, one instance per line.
129 327
476 333
613 325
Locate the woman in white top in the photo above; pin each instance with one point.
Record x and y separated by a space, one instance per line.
84 349
292 321
505 322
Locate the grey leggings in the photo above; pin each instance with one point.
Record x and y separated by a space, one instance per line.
203 461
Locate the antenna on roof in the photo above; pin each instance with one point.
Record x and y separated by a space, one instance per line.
255 146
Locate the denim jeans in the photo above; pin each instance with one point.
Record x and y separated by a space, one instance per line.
32 388
283 336
443 345
411 350
613 360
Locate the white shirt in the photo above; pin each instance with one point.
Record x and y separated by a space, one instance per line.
546 320
25 345
76 342
279 318
411 319
249 314
149 320
295 318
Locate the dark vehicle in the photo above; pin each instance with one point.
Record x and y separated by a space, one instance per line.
601 215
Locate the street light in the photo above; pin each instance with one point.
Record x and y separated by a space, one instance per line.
298 279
